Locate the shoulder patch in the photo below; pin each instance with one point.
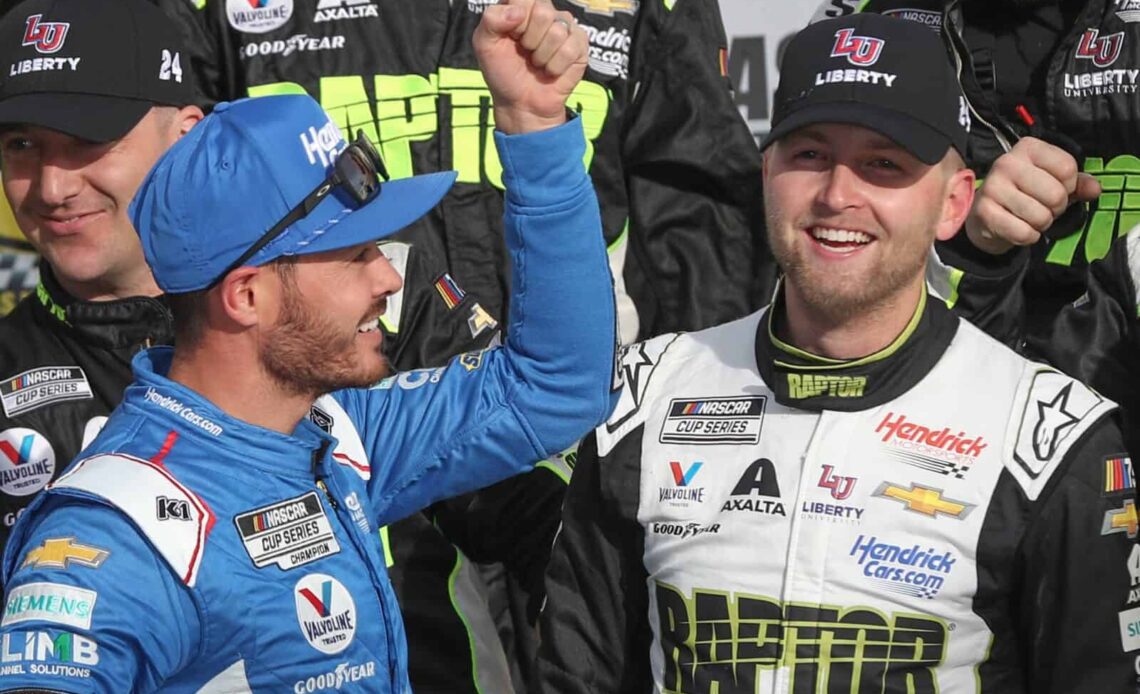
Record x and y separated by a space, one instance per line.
1056 411
330 416
174 519
638 364
43 386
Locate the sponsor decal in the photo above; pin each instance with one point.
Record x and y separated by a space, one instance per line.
720 641
1118 475
184 411
1103 83
840 487
333 10
928 448
477 6
322 146
325 613
925 17
757 491
449 291
1130 629
62 552
27 461
1133 566
411 380
1128 11
471 360
322 419
45 37
52 653
50 602
1121 520
681 494
1053 421
11 516
925 500
258 16
683 530
714 420
637 364
352 501
907 570
297 43
851 76
43 386
861 51
608 7
804 386
336 678
480 321
1101 50
288 534
166 508
609 50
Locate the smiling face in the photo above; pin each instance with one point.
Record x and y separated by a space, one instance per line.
851 216
327 332
70 199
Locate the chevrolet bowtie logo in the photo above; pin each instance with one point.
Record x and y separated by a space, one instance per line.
1122 520
608 7
925 500
61 553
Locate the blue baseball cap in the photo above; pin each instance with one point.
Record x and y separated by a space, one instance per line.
240 171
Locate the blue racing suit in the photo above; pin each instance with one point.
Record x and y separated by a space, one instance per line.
189 551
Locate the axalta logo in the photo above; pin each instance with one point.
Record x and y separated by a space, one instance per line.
336 678
722 641
757 491
258 16
941 442
608 7
46 37
331 10
805 386
908 570
322 146
325 612
861 51
1101 50
27 462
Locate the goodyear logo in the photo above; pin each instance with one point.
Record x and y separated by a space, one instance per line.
805 386
729 639
925 500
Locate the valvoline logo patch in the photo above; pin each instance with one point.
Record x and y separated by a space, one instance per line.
326 613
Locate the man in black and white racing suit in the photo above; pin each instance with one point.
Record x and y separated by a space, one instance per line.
852 490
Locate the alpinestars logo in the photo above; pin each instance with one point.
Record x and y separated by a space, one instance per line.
859 50
1053 421
47 37
1102 50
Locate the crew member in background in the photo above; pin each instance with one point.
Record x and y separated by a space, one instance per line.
674 166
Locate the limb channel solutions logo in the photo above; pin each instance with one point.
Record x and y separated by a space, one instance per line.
714 420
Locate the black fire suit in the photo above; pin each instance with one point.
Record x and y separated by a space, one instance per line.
1072 69
670 158
64 365
941 516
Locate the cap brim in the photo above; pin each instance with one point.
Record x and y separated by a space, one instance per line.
924 142
400 202
91 117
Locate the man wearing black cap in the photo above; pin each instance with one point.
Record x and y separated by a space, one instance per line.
852 490
92 94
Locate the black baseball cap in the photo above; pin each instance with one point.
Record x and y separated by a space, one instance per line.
90 68
887 74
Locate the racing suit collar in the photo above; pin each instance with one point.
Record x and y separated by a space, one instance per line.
192 416
809 382
121 323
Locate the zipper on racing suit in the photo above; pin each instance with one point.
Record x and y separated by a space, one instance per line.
318 456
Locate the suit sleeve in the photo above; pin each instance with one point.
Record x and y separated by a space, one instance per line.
1076 613
79 556
594 627
436 433
697 255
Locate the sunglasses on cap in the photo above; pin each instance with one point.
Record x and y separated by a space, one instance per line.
357 171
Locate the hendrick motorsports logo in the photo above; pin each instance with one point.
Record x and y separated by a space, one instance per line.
325 612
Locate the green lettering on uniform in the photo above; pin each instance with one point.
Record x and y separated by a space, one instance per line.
1117 210
406 111
277 89
346 102
472 140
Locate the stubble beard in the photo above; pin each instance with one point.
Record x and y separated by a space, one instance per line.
305 355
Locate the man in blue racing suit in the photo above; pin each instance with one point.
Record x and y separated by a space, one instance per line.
214 537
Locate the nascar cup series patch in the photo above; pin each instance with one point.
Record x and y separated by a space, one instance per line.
289 533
